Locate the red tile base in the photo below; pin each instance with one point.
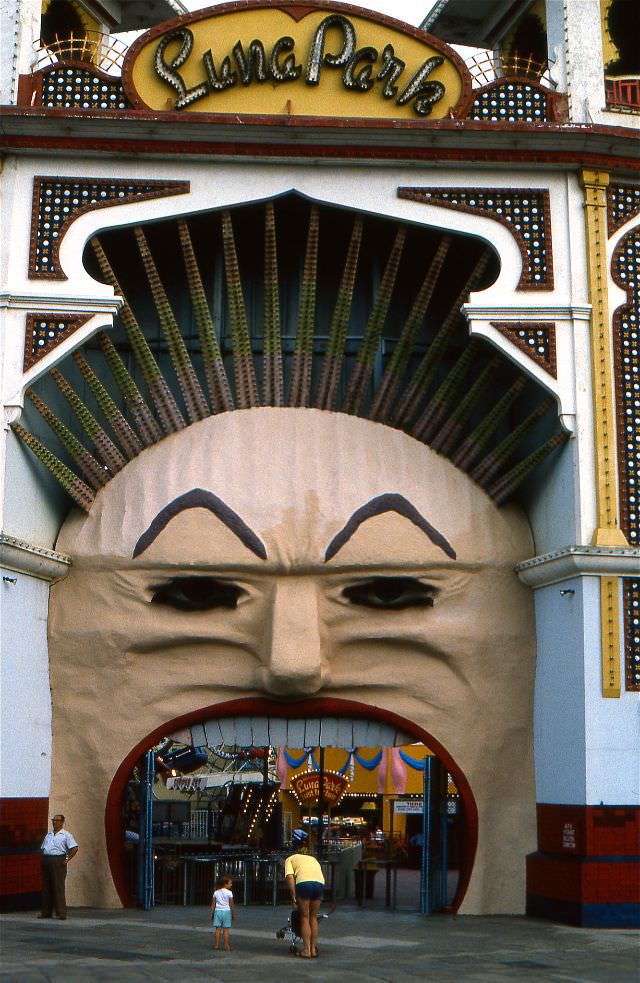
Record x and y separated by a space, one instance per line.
23 824
587 868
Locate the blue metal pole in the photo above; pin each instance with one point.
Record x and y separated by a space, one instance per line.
148 832
444 839
142 819
425 867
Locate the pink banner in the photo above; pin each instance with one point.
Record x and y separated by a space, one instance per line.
382 771
281 768
398 772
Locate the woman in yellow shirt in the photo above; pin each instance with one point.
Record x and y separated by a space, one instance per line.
306 886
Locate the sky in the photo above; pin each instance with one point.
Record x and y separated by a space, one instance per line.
411 11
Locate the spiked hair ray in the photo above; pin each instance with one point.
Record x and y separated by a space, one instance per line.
413 367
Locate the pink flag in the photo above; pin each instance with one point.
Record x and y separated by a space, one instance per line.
282 768
398 772
382 771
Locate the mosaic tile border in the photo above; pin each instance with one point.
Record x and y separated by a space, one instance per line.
59 201
525 212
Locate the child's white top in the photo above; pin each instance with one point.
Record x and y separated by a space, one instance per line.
222 896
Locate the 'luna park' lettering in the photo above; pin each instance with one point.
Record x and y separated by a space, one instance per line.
361 68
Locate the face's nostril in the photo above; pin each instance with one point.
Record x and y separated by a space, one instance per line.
291 683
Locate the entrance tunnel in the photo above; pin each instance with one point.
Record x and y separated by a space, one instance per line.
225 796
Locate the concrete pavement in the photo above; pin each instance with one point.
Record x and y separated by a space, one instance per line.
174 944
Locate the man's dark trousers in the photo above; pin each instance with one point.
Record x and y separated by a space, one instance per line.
54 874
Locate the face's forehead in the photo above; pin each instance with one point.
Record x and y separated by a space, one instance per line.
294 477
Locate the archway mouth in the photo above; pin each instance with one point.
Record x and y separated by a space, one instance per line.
345 721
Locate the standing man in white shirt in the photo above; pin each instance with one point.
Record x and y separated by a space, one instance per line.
58 848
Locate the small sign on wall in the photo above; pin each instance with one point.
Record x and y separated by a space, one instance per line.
408 807
568 836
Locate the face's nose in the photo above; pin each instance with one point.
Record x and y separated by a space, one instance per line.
293 645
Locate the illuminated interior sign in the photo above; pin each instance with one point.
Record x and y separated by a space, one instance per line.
294 59
306 787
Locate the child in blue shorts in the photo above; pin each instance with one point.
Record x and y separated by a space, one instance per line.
223 911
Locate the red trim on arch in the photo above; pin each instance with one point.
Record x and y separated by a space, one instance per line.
258 707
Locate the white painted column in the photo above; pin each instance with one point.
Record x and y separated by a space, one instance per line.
586 744
25 722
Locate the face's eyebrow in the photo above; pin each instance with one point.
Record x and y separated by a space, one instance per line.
198 498
390 502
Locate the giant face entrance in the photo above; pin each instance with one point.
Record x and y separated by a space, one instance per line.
307 541
390 817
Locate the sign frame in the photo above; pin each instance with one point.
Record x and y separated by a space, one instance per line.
408 807
297 11
334 787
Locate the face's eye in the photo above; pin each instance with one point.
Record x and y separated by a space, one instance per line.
391 593
197 594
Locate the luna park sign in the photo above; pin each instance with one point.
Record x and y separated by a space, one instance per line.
295 59
307 787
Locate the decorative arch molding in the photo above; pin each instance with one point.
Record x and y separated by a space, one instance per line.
525 212
537 339
625 271
59 201
516 99
410 363
45 331
72 84
623 204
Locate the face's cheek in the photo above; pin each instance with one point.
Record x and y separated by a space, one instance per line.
458 654
111 631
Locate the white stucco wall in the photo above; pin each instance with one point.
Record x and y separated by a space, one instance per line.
613 733
577 26
34 503
25 720
586 745
19 27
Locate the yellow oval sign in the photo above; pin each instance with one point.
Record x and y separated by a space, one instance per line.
294 59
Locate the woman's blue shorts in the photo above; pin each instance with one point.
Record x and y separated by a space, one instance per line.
310 890
222 918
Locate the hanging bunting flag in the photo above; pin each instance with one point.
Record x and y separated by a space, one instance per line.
296 762
398 772
371 763
417 765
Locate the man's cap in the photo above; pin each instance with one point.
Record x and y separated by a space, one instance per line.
299 835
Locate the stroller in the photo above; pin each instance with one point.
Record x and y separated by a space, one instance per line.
291 931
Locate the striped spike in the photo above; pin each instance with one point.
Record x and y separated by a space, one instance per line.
272 371
81 494
149 431
472 445
410 401
163 399
217 381
502 489
385 396
451 431
128 439
331 369
300 389
363 368
188 381
492 463
438 407
245 376
94 472
103 444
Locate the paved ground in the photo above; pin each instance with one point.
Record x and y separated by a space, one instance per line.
174 944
